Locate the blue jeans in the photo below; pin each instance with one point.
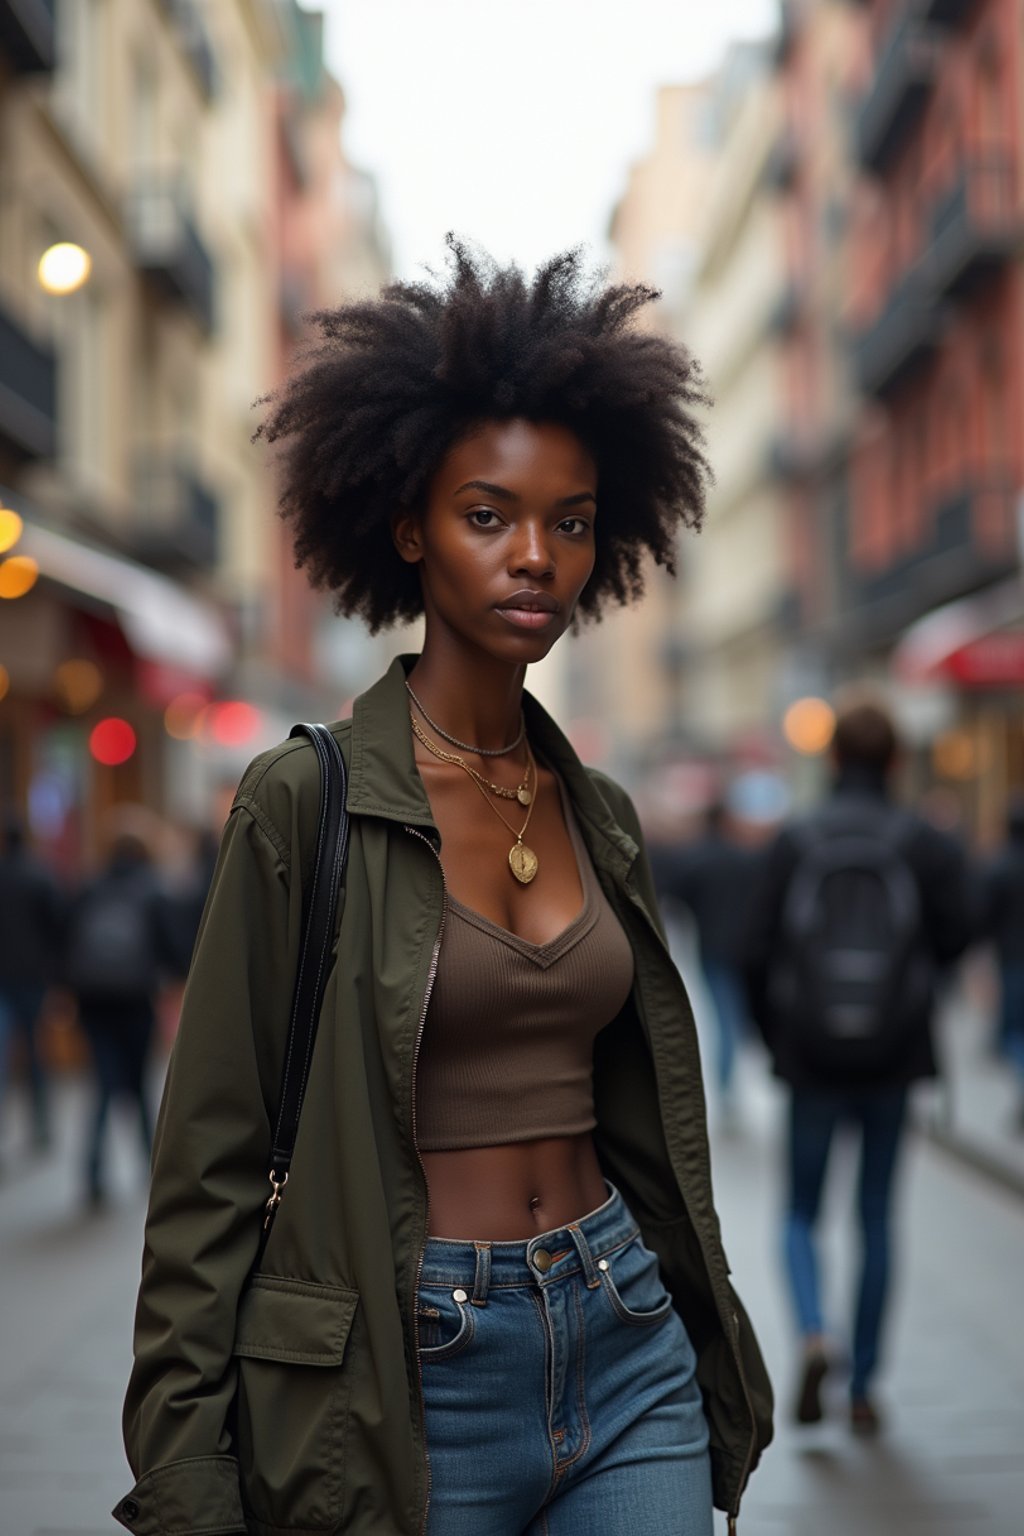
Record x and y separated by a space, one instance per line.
814 1117
725 989
21 1003
1011 980
559 1388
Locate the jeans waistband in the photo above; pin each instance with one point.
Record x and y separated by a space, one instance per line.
578 1247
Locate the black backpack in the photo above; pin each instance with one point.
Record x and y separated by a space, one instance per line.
112 943
852 983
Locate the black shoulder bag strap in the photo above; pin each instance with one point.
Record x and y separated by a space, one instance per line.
320 908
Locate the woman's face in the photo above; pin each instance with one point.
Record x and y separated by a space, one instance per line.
505 543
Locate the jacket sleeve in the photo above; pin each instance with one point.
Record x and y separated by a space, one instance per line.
209 1184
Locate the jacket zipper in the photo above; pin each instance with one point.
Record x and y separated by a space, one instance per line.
431 977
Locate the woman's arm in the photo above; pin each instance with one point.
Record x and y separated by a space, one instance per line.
209 1184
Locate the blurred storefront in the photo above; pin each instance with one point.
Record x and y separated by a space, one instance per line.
154 268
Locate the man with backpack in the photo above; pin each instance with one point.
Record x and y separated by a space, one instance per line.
859 905
120 947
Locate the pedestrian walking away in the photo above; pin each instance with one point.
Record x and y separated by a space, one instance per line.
858 906
1003 923
120 947
31 915
493 1297
712 876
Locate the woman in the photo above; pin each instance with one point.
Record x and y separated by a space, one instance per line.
456 1326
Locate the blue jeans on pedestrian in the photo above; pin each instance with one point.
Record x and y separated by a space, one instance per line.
559 1388
21 1003
725 989
1011 985
814 1117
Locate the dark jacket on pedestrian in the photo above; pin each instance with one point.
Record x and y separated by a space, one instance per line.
119 941
31 915
289 1400
712 877
1003 895
940 873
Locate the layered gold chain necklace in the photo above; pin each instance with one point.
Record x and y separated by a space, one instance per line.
522 861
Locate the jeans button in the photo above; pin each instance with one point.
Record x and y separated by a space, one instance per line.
542 1260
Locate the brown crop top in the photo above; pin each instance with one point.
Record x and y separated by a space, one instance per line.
508 1046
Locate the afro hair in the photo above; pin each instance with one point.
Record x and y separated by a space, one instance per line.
391 384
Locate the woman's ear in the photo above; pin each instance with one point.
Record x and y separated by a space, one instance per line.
406 533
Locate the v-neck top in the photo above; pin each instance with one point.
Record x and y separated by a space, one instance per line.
508 1045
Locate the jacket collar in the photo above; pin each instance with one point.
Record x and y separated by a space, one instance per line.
384 780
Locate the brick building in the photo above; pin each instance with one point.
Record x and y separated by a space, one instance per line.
936 327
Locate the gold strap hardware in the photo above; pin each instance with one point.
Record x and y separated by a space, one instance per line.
274 1199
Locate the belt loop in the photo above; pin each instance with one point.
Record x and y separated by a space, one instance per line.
482 1278
586 1257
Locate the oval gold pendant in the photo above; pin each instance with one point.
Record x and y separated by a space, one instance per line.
524 795
523 863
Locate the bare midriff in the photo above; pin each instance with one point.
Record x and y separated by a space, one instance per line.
512 1192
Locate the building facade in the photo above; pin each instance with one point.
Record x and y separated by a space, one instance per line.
929 550
148 134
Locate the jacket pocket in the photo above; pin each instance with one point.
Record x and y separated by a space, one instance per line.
292 1400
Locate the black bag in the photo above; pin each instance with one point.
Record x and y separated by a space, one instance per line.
112 946
853 980
320 908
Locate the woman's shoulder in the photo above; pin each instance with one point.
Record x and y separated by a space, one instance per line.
617 800
282 784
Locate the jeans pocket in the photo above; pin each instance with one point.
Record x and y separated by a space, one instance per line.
446 1324
631 1280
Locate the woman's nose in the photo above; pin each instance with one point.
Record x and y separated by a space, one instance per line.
531 553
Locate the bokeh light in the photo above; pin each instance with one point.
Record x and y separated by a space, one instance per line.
808 725
11 527
18 575
183 716
232 723
112 741
64 268
78 683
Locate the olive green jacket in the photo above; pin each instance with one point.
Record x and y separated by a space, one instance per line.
290 1401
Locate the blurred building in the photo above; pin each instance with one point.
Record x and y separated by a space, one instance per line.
736 582
153 135
621 685
929 555
854 292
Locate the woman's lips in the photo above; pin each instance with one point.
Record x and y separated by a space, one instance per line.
528 618
529 609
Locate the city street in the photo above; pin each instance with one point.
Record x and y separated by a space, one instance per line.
951 1462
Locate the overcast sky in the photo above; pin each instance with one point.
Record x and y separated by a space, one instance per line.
514 122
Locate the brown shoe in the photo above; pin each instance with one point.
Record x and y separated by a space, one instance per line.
808 1401
865 1418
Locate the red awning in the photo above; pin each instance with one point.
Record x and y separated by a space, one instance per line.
977 641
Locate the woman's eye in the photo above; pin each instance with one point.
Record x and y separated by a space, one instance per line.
577 525
483 517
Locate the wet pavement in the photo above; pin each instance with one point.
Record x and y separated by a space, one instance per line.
950 1463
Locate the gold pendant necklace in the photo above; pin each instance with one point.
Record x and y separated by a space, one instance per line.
522 861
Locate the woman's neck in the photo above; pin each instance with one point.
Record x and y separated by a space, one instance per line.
474 698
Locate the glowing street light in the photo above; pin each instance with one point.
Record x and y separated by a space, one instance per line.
64 268
18 575
808 725
11 527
